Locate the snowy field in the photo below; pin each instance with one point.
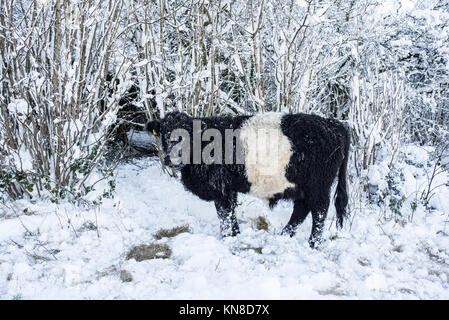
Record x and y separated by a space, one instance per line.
50 251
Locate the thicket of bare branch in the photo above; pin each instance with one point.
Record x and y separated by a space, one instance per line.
56 105
67 68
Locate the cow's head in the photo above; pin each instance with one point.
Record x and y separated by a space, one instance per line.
163 129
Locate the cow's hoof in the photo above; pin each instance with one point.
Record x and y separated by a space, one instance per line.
288 231
230 233
315 243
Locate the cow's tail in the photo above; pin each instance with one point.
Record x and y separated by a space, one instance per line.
341 193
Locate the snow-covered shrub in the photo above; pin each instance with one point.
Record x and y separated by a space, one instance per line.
411 38
67 64
56 109
376 114
421 46
436 172
416 181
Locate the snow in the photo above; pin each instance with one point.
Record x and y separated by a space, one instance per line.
47 251
141 63
19 107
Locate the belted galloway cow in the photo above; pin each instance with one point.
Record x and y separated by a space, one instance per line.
271 155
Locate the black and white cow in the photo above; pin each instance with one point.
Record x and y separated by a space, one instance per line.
311 151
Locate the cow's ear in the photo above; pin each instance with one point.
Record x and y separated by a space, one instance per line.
154 127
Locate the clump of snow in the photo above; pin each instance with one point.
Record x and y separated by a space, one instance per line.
46 250
18 107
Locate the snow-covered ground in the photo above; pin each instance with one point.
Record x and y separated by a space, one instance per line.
50 251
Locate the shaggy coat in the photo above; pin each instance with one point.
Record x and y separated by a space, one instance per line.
313 151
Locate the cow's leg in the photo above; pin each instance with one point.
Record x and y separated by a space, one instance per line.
319 213
226 213
300 212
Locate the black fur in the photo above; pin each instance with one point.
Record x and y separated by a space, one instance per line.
320 150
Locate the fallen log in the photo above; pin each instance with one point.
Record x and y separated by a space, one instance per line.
142 141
